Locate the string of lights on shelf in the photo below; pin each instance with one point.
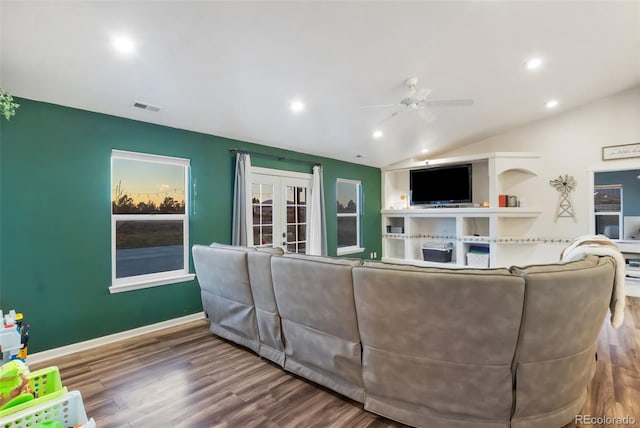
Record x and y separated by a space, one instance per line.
483 239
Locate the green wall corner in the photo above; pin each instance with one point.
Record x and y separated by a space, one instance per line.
55 225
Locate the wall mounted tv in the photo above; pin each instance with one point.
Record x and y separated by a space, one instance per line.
446 185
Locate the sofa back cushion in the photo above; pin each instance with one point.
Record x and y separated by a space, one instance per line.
268 317
315 301
223 275
438 342
565 305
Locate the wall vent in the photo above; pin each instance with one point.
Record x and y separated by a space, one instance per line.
146 106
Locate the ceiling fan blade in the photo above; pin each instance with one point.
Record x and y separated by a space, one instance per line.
449 103
426 115
422 93
394 114
380 106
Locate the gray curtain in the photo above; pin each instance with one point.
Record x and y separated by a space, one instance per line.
241 189
317 223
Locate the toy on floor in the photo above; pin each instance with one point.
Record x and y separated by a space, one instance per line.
14 384
23 329
14 335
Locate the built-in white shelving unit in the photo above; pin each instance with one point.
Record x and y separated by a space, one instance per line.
406 229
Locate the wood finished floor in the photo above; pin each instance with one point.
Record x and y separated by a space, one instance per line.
186 377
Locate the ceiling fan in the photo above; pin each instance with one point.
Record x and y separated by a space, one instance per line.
416 100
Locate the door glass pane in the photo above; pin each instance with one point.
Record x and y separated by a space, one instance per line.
262 207
291 233
296 223
291 197
267 236
147 246
347 232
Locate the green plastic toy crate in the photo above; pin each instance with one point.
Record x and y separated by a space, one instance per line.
46 384
66 409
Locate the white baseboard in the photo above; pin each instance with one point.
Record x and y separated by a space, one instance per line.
49 354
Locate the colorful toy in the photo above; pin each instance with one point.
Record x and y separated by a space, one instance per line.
14 335
14 384
24 337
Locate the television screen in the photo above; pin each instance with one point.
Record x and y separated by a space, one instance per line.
440 185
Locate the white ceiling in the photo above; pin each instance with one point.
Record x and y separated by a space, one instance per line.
231 68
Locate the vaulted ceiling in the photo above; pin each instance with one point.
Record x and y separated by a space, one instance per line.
233 68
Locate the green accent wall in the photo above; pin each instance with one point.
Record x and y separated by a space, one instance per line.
55 224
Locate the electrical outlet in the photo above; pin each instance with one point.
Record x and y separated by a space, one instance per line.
371 255
375 255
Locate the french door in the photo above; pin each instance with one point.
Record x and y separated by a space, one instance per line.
280 214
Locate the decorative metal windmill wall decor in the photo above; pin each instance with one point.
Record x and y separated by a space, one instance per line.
564 185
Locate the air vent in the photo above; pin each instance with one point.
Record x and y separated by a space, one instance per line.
146 106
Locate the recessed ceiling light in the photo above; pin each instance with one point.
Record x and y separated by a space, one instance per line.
534 63
424 150
123 44
377 134
551 104
296 106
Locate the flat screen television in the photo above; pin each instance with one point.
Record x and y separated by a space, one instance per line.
446 185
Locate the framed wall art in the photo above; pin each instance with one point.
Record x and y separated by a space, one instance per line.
621 152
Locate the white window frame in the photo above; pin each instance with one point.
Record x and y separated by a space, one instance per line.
137 282
358 247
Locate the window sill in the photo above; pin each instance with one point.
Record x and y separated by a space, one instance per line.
349 250
151 283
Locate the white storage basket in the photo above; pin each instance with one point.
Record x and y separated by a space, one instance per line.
67 409
478 260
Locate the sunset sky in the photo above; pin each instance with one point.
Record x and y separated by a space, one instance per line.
144 181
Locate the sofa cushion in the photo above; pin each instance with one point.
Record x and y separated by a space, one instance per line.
268 317
439 342
315 300
325 259
223 275
565 305
414 268
588 261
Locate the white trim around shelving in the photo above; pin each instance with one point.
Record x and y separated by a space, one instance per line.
39 357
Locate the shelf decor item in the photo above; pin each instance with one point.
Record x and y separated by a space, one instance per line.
7 106
564 185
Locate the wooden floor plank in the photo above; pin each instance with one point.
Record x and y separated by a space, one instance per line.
186 377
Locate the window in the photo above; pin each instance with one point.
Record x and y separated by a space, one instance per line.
348 196
149 220
608 210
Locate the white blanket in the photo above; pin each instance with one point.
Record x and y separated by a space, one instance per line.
602 246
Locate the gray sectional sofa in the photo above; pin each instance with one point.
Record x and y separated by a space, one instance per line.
428 347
